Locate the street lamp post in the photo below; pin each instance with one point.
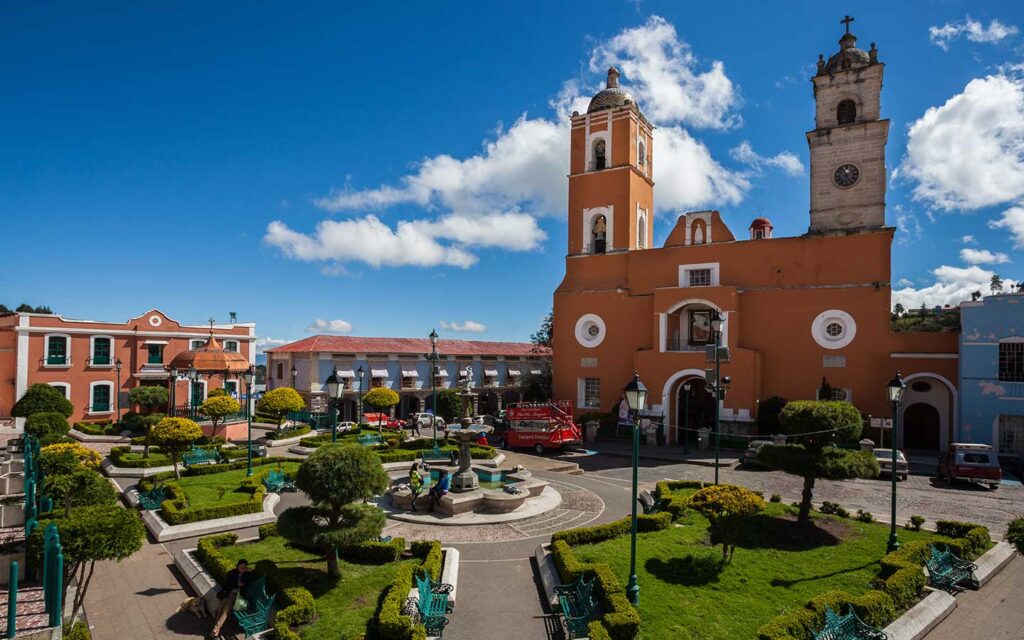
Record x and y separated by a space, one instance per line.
173 374
295 375
360 373
716 327
335 387
896 387
686 416
117 368
193 382
636 398
249 374
433 384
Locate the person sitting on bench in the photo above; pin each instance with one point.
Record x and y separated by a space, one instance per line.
440 489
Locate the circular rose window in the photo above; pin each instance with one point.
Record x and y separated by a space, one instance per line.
833 329
590 330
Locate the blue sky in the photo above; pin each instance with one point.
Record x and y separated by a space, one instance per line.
382 172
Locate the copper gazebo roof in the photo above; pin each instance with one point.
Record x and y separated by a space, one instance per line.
211 358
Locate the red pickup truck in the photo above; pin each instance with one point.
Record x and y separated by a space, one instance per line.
972 463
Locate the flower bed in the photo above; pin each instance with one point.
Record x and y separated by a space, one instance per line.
312 605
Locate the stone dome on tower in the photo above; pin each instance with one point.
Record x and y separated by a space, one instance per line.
848 56
612 96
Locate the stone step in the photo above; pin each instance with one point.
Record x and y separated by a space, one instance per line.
570 468
31 616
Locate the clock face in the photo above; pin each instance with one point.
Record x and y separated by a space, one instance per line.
846 175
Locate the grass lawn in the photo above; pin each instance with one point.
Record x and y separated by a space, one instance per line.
343 608
221 488
686 593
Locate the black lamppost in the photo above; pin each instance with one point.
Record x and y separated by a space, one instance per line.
295 374
895 388
433 383
716 328
193 377
117 368
686 415
173 376
335 387
360 373
636 398
247 377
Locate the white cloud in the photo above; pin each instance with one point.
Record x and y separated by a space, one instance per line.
329 326
262 344
664 77
908 227
983 256
1013 221
969 152
785 160
905 282
952 286
469 326
968 240
973 30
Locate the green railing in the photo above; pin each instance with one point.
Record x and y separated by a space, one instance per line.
317 420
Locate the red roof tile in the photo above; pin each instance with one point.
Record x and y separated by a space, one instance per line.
417 346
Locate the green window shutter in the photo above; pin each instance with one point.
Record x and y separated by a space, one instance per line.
101 351
101 398
156 354
58 350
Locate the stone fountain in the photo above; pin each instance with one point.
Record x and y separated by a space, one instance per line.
465 479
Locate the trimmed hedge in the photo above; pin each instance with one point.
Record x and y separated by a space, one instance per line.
208 469
98 428
970 540
291 432
176 510
675 503
391 624
126 458
592 535
873 607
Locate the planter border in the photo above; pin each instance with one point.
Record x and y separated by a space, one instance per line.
131 472
164 532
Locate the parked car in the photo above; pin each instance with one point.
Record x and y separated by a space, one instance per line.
749 458
346 426
424 420
395 424
976 463
884 457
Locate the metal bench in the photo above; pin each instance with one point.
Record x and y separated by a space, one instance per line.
647 502
278 481
432 604
197 456
946 571
369 439
256 617
848 627
435 454
152 499
577 603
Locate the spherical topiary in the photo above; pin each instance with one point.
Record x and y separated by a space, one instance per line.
42 398
726 506
48 427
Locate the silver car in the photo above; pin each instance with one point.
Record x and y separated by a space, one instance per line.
749 458
884 457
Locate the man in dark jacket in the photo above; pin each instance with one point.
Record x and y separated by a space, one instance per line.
234 583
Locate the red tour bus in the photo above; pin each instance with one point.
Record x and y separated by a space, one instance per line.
540 425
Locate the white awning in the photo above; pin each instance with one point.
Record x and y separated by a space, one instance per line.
535 372
410 373
155 342
490 372
346 373
379 373
515 372
442 374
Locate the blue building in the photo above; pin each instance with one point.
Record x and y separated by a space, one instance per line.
403 365
992 373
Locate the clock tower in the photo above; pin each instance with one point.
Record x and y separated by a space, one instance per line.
847 144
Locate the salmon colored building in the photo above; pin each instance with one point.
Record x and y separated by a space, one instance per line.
80 358
794 310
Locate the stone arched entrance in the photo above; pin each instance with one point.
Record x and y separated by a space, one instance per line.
921 425
695 409
928 413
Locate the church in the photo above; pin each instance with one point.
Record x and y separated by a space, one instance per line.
793 311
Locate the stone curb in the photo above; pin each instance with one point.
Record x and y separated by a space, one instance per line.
548 575
164 532
549 499
87 438
131 472
993 561
920 619
285 442
723 462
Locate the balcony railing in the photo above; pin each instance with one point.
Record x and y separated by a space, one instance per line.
683 346
102 361
55 361
100 407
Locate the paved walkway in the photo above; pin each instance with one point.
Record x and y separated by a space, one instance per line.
996 612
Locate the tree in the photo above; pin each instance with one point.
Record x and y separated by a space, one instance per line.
149 398
333 478
898 310
80 488
768 415
996 284
217 408
88 535
817 425
42 398
279 403
48 427
535 384
975 296
381 399
27 308
65 457
216 393
449 404
1015 534
545 335
726 506
174 436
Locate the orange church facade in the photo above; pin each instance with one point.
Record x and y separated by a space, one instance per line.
795 310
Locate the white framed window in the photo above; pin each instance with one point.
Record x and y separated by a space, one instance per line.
63 387
57 350
599 225
195 344
699 275
101 397
196 394
101 351
231 345
1011 360
1011 434
840 394
834 329
641 152
641 228
589 393
231 386
599 150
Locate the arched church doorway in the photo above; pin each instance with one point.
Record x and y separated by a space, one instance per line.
921 427
695 409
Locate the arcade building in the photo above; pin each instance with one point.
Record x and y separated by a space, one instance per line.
794 310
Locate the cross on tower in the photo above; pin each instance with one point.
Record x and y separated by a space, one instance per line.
847 20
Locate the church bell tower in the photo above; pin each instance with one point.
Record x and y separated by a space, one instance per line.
611 190
847 144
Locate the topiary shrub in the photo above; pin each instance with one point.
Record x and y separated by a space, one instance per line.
776 498
835 509
48 427
42 398
727 507
1015 534
864 516
915 524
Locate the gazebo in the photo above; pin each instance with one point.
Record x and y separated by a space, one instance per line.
207 361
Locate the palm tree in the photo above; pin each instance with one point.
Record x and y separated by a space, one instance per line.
996 285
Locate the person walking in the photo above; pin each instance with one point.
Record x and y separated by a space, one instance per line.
415 483
414 425
234 583
440 489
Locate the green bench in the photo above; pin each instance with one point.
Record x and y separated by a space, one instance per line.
436 455
278 481
369 439
152 499
432 604
577 603
197 456
256 617
946 571
848 627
